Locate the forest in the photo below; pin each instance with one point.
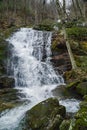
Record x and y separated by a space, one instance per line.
43 64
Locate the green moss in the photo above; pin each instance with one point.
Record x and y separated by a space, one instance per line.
54 46
65 125
82 88
83 45
81 120
78 33
45 115
43 27
85 98
9 98
72 85
81 117
58 43
81 62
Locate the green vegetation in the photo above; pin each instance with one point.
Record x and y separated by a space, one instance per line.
77 33
44 27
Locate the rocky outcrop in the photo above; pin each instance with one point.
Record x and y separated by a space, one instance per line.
47 115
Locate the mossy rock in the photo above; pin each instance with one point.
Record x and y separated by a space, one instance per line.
65 125
9 98
82 88
72 85
46 115
58 43
85 98
79 87
81 120
75 76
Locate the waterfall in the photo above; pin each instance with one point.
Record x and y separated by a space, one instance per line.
33 72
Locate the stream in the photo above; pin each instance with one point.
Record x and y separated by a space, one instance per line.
35 77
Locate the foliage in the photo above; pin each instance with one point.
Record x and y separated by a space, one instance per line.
78 33
43 27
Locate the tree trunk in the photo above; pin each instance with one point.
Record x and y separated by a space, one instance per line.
73 63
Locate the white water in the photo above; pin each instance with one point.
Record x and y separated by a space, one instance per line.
33 72
72 105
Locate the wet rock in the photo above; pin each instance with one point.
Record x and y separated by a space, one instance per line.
46 115
9 98
82 88
6 82
79 87
3 56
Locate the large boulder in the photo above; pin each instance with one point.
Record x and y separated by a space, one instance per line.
46 115
7 82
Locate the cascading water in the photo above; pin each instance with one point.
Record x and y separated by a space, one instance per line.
33 72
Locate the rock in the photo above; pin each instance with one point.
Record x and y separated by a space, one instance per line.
9 98
79 87
60 56
82 88
81 117
65 125
6 82
46 115
3 56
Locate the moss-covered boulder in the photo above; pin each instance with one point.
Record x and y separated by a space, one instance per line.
79 87
82 88
46 115
6 82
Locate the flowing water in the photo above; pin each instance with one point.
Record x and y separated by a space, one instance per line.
34 75
32 70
